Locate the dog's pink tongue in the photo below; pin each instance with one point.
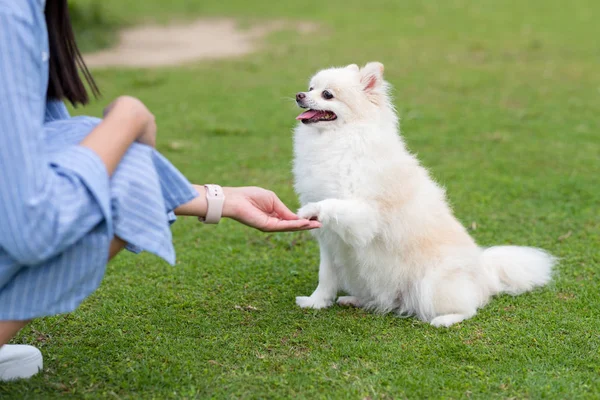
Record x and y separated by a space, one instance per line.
307 115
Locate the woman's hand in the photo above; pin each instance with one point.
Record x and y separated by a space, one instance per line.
126 120
134 107
262 209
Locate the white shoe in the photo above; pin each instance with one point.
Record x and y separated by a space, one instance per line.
19 361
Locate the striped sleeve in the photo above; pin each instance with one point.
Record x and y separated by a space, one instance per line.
46 205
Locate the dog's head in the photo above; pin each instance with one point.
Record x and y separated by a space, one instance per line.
338 96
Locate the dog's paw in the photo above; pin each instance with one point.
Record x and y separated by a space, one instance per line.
448 320
313 302
311 211
349 301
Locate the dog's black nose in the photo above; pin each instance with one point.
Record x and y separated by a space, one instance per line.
300 96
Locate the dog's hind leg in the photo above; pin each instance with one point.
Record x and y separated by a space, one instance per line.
349 301
455 298
450 319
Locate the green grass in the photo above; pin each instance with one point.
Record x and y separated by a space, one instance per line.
501 99
94 25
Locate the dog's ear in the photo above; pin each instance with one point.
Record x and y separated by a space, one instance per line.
353 67
372 76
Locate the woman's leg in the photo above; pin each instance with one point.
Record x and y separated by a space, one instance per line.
8 329
116 246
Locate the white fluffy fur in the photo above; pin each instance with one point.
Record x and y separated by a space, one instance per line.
389 238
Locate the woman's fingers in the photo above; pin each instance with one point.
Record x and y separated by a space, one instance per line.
282 210
279 225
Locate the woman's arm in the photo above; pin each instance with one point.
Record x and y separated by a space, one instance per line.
127 120
253 206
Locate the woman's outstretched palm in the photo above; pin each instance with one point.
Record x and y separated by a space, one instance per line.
262 209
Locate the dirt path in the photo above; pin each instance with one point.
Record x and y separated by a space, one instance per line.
156 46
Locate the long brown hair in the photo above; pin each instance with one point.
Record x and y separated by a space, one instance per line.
65 58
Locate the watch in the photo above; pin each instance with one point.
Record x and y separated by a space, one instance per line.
215 198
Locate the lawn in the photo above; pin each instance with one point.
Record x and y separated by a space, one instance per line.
500 99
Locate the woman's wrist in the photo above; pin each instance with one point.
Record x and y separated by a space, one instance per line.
200 205
229 205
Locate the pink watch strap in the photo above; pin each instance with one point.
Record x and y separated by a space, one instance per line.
215 199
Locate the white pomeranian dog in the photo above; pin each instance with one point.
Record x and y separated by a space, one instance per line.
388 237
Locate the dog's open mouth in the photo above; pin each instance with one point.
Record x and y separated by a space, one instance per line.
311 116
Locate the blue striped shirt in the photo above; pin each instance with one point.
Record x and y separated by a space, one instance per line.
45 201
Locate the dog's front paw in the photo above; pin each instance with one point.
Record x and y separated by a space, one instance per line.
313 302
311 211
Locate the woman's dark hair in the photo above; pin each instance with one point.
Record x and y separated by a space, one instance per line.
65 58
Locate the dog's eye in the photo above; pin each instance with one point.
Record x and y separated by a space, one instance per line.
310 89
327 95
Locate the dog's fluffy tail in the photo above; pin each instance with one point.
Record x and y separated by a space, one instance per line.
519 269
